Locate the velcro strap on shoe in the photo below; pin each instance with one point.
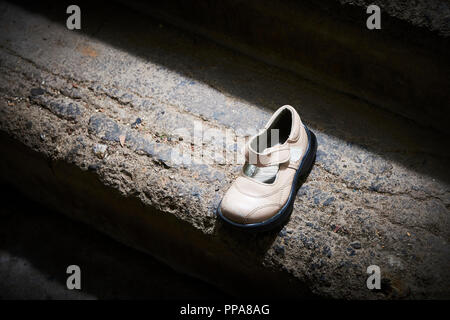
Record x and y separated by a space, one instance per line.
270 157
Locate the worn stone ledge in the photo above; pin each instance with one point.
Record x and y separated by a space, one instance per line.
402 68
378 194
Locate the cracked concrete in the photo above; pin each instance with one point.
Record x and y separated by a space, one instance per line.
378 194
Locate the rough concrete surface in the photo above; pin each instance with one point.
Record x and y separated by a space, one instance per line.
431 14
378 193
402 67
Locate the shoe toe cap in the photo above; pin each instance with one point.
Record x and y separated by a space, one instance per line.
243 209
232 210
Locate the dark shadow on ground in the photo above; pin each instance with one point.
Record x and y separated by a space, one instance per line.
38 238
326 111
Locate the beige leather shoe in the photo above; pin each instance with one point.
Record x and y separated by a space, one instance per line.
262 197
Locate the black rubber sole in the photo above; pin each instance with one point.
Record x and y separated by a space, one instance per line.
283 215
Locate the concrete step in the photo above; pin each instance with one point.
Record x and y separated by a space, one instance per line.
37 245
403 67
378 193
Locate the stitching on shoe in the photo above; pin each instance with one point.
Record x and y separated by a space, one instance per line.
258 196
258 208
281 195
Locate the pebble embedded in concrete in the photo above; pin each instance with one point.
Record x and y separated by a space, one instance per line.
100 150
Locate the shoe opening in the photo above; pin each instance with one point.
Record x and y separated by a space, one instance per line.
262 174
278 133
